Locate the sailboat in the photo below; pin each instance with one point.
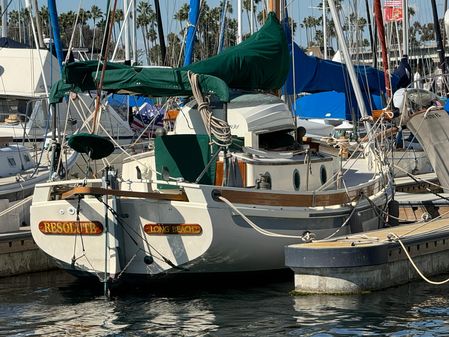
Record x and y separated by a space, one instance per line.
225 191
25 125
425 112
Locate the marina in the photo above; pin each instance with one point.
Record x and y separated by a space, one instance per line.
372 261
217 176
55 304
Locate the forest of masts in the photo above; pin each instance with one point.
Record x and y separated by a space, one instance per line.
91 25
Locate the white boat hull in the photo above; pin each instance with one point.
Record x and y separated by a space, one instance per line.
227 242
432 131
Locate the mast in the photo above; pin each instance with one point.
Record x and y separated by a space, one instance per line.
222 26
251 25
134 30
349 66
160 31
191 30
438 38
324 30
239 21
381 33
370 30
405 26
55 29
126 32
38 25
4 19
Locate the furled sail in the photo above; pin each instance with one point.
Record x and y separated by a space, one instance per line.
260 62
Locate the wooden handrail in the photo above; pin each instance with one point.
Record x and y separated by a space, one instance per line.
86 190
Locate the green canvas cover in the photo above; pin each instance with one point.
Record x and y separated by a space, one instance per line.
95 146
260 62
184 156
154 82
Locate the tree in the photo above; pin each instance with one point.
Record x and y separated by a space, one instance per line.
95 14
118 18
143 20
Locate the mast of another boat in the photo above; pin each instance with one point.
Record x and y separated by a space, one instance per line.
350 67
405 27
134 30
439 40
4 19
239 21
381 33
52 11
126 32
160 32
324 30
222 26
191 31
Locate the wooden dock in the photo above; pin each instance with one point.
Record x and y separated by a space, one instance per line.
370 261
19 254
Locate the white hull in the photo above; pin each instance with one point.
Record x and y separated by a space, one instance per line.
227 242
167 224
410 161
432 131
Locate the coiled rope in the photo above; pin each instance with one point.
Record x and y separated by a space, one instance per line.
216 127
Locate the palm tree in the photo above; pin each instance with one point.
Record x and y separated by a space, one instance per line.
45 17
95 13
14 17
118 18
143 20
182 15
247 8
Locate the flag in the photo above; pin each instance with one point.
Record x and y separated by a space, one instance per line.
393 10
147 115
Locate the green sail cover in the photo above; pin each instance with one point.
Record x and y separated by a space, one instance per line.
155 82
260 62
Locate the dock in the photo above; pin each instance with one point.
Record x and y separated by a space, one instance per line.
370 261
19 254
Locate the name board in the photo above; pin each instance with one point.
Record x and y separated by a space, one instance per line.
164 229
71 227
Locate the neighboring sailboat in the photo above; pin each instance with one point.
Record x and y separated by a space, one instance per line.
425 112
26 127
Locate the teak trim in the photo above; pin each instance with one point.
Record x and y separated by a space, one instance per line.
298 200
86 190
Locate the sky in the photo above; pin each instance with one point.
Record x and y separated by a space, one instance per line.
298 9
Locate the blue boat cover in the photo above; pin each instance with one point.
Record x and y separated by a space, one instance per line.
313 74
117 100
332 104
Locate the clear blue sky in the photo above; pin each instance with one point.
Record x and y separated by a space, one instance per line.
298 9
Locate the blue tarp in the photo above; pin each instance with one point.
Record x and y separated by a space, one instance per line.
316 75
332 104
117 100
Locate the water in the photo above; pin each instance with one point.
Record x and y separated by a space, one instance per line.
55 304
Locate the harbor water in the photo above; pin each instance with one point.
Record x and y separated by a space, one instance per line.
56 304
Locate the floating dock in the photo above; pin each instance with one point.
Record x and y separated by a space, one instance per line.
370 261
19 254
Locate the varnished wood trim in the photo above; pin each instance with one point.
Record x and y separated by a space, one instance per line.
85 190
298 200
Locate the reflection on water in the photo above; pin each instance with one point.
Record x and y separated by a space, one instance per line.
55 304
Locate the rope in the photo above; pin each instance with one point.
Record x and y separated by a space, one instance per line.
417 180
344 223
17 205
393 236
305 238
218 128
143 238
